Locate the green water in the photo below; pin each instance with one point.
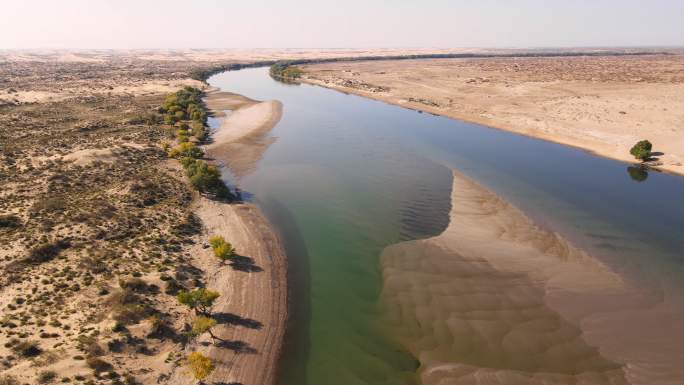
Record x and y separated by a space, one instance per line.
346 177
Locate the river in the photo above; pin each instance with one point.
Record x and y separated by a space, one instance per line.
345 177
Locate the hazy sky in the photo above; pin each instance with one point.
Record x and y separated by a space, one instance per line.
342 23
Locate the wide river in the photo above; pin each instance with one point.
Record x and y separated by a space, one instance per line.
344 177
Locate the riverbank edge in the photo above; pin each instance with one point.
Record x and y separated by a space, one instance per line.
484 122
261 296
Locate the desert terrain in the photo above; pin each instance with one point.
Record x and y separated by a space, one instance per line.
101 229
601 104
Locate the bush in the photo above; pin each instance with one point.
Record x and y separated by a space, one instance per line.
27 349
46 377
642 150
201 325
222 250
98 364
9 222
199 299
284 70
131 313
186 150
134 284
205 178
46 252
200 366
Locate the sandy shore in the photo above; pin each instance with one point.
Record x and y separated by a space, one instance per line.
253 302
600 104
242 137
497 300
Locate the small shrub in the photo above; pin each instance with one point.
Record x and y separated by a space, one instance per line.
642 150
131 313
46 252
186 149
46 377
98 364
9 222
27 349
199 299
134 284
201 325
199 365
222 250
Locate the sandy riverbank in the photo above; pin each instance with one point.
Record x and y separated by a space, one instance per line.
497 300
600 104
242 137
252 309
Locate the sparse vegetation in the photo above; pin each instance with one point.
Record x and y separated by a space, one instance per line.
205 178
285 71
90 216
223 250
642 150
201 325
200 300
200 366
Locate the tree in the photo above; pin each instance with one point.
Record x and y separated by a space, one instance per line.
200 365
200 300
201 325
642 150
222 250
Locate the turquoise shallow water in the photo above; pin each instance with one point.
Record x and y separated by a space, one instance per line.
347 176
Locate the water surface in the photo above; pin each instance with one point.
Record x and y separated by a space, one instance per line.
347 177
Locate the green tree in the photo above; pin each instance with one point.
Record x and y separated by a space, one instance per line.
642 150
200 300
200 366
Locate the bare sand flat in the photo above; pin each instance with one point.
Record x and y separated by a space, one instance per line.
495 299
242 137
252 309
601 104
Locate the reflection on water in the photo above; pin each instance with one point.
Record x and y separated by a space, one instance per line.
637 173
356 176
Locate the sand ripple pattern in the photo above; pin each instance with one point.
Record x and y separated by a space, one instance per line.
474 304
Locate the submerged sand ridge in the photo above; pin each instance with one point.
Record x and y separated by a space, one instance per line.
495 299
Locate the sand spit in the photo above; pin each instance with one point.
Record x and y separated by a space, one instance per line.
600 104
495 299
242 137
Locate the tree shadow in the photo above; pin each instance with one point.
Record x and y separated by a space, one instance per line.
239 347
245 264
234 319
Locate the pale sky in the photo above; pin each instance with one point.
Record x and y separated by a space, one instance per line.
339 24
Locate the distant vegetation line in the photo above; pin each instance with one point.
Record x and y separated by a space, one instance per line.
203 74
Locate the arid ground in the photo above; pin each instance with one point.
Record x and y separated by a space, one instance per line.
601 104
100 229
